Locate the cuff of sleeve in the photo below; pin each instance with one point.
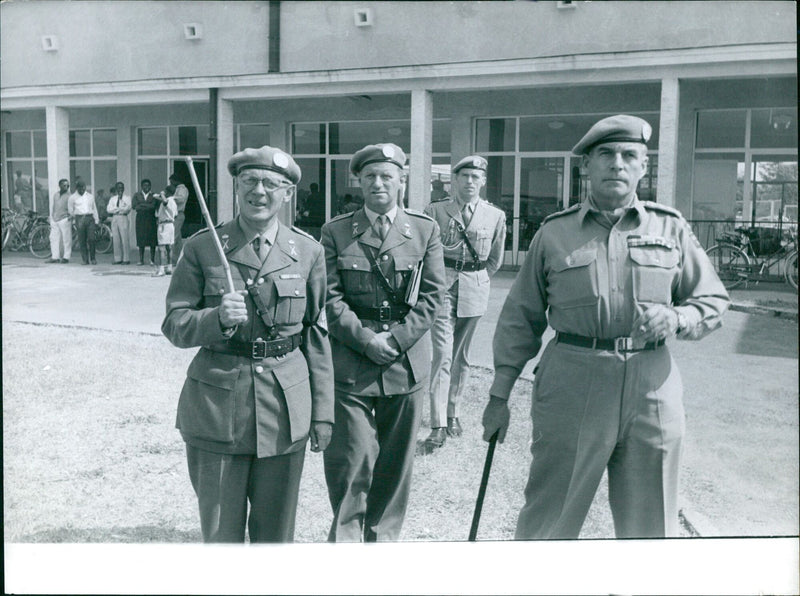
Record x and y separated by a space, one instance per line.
692 317
210 327
504 379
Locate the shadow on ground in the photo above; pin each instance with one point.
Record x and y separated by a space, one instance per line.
779 341
133 535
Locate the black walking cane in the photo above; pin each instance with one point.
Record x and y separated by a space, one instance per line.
487 467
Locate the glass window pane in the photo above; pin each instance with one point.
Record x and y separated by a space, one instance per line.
541 189
105 177
773 128
561 132
717 193
440 178
40 200
20 179
345 191
188 140
80 169
441 136
153 141
308 139
310 197
775 189
253 135
155 170
18 144
79 143
721 129
500 190
39 143
495 134
104 142
348 137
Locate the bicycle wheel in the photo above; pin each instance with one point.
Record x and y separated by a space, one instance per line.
791 269
103 239
731 263
6 236
40 241
16 242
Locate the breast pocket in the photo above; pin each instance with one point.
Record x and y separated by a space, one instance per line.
482 241
355 274
572 281
654 270
291 298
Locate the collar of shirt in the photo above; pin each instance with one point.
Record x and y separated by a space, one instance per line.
122 199
588 206
472 205
372 216
250 233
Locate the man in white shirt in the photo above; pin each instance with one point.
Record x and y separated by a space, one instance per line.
119 206
60 225
83 210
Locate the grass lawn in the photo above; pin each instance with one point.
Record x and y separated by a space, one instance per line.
91 453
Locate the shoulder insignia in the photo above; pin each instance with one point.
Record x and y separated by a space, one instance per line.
303 233
341 216
419 214
662 208
574 209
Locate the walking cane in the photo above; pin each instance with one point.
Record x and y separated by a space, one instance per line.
207 216
487 467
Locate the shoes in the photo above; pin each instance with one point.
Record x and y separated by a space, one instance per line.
94 262
140 263
453 427
159 272
126 262
65 261
117 263
434 441
53 261
168 269
86 262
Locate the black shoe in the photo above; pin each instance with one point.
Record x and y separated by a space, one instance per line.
52 261
434 441
94 262
126 262
117 263
453 427
65 261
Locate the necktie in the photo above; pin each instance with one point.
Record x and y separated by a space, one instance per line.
383 224
261 246
466 214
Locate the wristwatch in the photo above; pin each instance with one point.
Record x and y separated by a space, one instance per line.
683 324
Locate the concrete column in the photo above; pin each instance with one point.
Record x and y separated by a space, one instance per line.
279 138
57 124
460 137
668 144
125 175
419 181
224 153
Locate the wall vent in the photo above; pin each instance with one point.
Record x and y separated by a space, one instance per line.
49 43
193 31
363 17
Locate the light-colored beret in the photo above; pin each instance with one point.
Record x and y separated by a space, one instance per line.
382 152
474 162
265 158
620 128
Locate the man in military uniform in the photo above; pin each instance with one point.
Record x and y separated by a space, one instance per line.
615 277
252 399
473 239
385 283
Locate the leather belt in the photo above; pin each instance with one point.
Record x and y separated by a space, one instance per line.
381 313
464 265
259 349
617 344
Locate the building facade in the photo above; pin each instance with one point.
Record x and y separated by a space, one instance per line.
108 90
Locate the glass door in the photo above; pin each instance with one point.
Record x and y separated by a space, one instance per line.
542 182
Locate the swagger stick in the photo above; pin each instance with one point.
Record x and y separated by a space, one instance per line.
487 467
225 265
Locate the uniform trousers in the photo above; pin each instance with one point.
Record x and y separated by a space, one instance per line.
451 337
87 230
368 464
224 483
594 410
119 236
61 239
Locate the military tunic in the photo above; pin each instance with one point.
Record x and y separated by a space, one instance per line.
465 300
595 408
368 463
233 404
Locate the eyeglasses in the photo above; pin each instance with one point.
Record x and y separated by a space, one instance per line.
270 185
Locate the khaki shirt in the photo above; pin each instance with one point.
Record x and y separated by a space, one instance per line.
586 278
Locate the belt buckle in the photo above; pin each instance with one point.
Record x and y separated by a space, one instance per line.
623 345
259 350
384 313
459 265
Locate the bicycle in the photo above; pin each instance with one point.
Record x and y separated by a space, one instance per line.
18 228
747 254
40 239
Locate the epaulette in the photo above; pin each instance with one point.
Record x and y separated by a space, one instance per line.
417 213
558 214
342 216
488 204
204 230
304 233
663 208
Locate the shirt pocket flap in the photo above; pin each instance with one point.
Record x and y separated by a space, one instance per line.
353 263
405 262
216 377
654 256
290 288
215 286
579 258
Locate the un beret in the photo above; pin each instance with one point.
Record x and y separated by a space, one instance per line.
620 128
475 162
382 152
266 158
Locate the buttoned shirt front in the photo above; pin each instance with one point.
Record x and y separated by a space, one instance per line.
119 205
83 205
588 276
